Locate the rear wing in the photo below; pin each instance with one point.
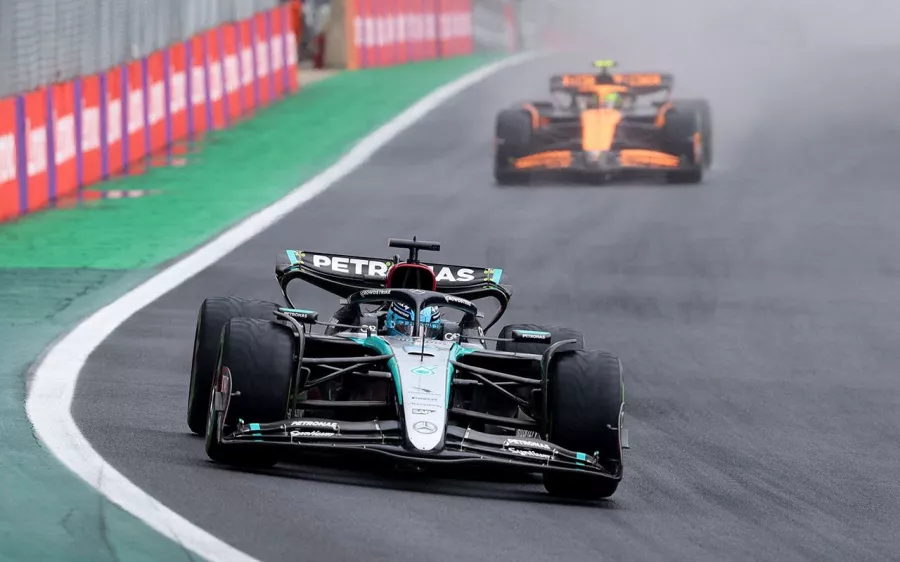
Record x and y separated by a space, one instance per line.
344 275
639 83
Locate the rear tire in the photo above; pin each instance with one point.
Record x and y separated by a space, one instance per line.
585 401
513 138
259 354
214 313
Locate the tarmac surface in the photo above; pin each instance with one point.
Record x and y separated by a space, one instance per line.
756 315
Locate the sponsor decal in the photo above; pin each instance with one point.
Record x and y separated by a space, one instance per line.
578 80
64 151
527 433
422 370
178 92
312 434
375 292
523 443
638 80
530 454
310 423
423 411
35 141
305 315
417 291
356 266
136 145
88 110
451 337
378 268
424 398
199 95
458 300
10 204
447 274
528 335
425 427
155 101
263 62
113 144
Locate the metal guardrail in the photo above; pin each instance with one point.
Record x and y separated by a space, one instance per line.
46 41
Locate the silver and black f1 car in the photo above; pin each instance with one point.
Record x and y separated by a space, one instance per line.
268 379
594 126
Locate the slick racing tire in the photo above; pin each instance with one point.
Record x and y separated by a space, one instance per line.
513 139
259 355
683 122
703 113
214 313
693 175
585 402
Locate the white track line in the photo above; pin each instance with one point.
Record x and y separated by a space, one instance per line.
52 389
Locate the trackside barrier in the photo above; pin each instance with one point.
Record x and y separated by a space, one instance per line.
379 33
496 25
63 137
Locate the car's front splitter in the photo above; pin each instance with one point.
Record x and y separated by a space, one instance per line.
461 446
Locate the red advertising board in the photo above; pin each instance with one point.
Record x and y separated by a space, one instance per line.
398 7
198 85
231 71
276 49
177 106
134 125
511 24
9 178
263 70
248 65
35 142
458 35
368 39
100 124
291 50
156 100
64 151
90 141
115 128
216 83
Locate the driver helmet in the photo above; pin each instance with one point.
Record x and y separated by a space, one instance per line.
399 321
612 100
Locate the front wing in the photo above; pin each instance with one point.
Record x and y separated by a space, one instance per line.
602 162
461 446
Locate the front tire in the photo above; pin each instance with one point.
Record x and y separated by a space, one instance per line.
513 140
685 177
259 355
585 405
214 313
703 113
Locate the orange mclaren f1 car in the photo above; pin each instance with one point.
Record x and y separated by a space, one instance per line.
594 125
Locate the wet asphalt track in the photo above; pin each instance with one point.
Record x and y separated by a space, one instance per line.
757 317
